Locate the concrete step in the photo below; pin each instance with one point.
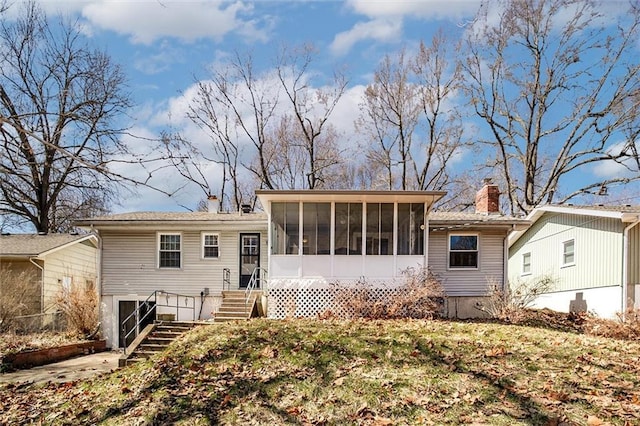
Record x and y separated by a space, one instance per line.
238 309
151 347
229 317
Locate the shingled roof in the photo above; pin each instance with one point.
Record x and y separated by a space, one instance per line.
17 245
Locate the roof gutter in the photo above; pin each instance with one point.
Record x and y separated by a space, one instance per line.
625 262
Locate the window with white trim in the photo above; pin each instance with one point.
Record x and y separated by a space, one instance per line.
463 251
568 253
210 246
169 250
526 263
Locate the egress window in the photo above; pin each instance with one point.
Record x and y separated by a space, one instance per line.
169 250
463 251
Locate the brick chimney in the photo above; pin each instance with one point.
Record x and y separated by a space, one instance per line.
213 204
488 198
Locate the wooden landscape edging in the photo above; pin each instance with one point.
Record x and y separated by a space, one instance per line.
50 355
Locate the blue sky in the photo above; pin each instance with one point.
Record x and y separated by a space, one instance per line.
164 45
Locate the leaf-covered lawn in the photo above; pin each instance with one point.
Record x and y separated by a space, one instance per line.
356 372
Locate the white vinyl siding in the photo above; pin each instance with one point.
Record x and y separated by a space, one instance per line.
597 251
469 282
129 263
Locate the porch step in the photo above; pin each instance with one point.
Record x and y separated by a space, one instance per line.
234 307
155 338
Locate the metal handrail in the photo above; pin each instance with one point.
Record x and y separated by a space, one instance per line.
226 279
257 276
146 304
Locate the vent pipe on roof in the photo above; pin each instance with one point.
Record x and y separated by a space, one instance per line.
245 208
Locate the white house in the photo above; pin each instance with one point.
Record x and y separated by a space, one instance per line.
179 262
590 252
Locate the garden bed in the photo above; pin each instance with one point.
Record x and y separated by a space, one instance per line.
33 358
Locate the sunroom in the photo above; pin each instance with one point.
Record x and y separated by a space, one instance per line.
319 238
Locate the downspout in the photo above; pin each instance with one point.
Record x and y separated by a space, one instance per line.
625 263
31 259
425 239
505 261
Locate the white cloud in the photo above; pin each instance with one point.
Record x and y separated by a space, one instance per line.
611 169
383 30
147 21
427 9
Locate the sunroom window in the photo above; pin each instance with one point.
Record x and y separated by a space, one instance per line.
348 228
316 228
379 229
285 223
411 228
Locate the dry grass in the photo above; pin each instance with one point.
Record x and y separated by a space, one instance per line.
19 295
356 373
79 304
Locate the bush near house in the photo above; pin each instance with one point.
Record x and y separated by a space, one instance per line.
421 296
79 304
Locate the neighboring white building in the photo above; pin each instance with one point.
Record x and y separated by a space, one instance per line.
591 252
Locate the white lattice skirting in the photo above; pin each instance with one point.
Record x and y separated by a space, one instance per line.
309 298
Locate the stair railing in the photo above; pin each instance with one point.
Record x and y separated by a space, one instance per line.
226 279
257 276
149 309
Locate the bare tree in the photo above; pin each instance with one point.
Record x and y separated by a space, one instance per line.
439 83
390 111
310 110
557 83
409 117
273 125
59 103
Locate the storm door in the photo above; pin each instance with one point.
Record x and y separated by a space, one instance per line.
249 257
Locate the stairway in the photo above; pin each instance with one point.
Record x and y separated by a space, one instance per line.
233 306
153 339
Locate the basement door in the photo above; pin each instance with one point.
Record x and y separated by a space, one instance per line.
126 308
249 257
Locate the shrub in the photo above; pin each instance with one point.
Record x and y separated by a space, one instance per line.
19 295
79 304
626 326
420 296
510 305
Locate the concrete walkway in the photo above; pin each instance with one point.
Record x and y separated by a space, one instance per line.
78 368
